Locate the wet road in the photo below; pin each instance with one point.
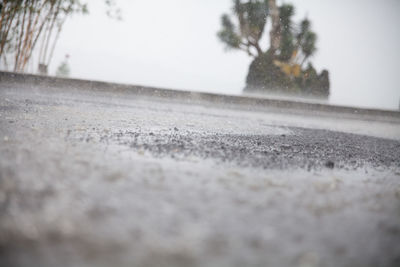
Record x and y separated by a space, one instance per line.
110 179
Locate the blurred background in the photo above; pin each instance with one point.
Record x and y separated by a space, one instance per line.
174 44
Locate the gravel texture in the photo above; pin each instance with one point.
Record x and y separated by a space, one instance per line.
113 180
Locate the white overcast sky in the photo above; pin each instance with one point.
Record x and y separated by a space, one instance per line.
173 44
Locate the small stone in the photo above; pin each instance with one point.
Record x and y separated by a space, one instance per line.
176 129
330 164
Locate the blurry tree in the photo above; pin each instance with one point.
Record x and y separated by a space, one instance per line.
113 11
280 66
63 70
30 25
252 18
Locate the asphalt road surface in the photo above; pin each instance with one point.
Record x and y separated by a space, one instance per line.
114 179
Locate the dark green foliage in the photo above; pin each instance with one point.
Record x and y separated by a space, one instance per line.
227 34
314 84
305 27
252 18
287 39
265 76
308 44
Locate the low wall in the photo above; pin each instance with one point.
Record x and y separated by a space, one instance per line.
246 102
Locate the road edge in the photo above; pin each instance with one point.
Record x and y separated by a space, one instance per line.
244 101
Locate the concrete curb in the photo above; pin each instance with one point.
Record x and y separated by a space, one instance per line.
247 102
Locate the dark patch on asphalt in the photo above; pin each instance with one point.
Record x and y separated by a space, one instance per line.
306 148
4 108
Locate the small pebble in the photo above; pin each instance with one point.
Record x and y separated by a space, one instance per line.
329 164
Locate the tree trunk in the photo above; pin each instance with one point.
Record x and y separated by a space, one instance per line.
7 24
275 33
258 48
18 54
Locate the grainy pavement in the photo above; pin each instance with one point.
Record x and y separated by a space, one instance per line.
114 179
